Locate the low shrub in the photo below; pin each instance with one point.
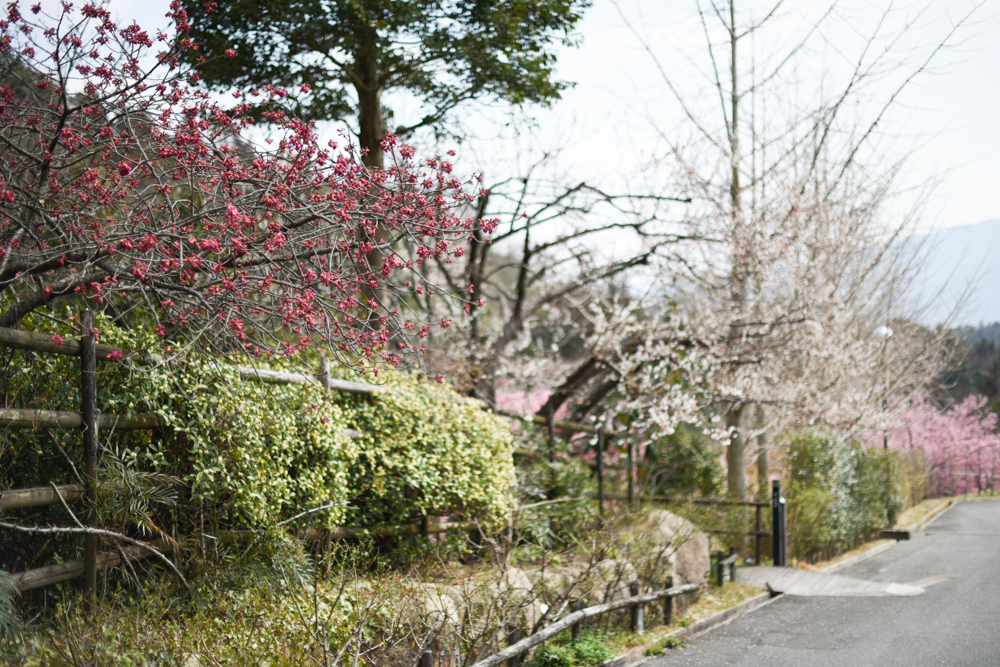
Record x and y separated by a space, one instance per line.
839 492
248 454
591 649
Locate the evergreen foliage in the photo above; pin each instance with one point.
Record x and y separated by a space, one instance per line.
839 492
248 455
336 58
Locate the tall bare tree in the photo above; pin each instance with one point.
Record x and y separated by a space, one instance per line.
788 173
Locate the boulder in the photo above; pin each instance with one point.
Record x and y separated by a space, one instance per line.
440 605
612 579
688 552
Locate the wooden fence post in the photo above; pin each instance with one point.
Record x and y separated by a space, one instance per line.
577 606
600 470
88 409
638 611
720 570
513 637
668 603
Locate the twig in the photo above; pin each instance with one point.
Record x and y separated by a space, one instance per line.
315 509
65 456
96 531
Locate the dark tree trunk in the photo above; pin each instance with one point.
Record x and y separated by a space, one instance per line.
371 132
736 454
371 117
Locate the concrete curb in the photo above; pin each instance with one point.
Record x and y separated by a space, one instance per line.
874 551
933 516
637 655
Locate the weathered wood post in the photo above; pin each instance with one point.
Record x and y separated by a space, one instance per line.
720 576
638 611
668 603
732 566
575 630
600 470
88 408
513 637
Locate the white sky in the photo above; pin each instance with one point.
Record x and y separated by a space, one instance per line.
605 124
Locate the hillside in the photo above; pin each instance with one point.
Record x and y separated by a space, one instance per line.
959 260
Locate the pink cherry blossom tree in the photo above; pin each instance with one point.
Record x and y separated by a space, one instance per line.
960 445
124 184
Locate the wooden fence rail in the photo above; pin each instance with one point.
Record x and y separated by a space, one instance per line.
516 649
39 496
36 342
53 574
92 422
26 418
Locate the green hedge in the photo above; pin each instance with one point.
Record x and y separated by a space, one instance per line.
838 492
251 454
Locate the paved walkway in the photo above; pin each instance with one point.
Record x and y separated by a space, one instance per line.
954 623
802 582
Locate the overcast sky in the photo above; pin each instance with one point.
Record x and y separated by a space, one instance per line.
609 122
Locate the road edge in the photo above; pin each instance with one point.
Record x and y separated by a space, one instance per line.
637 655
933 517
874 551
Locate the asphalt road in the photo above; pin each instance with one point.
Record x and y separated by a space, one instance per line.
956 622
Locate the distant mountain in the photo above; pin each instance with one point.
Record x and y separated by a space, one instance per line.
961 259
973 335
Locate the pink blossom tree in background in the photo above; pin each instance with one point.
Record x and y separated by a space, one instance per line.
960 446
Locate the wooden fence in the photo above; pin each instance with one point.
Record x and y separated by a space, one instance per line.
91 422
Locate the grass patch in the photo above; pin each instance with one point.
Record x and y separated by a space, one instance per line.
913 517
656 637
591 649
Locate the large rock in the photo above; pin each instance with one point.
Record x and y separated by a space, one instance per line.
687 551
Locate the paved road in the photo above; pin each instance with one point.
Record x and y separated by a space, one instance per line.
956 622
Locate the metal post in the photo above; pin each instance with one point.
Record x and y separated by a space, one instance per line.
88 408
668 603
600 470
778 524
513 637
575 629
638 611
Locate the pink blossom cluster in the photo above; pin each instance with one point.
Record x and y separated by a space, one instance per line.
960 446
124 182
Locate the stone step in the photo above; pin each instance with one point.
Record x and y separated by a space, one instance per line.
792 581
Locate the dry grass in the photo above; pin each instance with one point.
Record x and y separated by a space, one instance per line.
914 516
711 602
